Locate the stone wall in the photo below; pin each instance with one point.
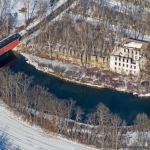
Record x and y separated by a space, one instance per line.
75 56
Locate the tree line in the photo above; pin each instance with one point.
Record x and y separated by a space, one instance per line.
124 18
100 128
74 38
86 38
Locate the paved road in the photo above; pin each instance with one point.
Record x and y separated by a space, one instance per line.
50 17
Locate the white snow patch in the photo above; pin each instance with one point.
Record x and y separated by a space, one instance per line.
144 95
34 60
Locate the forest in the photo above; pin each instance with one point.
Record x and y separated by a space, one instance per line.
40 107
89 31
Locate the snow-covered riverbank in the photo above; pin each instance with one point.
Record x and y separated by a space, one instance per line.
101 78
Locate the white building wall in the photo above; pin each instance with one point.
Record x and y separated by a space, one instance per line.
128 59
124 65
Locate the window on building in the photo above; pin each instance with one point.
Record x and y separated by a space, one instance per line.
119 64
134 71
115 68
132 52
127 60
124 50
135 57
127 66
131 66
123 59
115 63
115 58
134 67
119 58
123 65
136 52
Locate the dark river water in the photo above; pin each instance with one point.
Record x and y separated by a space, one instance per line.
126 105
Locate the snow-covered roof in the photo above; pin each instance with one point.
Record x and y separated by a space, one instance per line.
137 44
133 44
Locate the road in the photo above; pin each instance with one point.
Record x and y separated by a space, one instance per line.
50 17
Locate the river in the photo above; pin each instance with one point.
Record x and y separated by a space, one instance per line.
126 105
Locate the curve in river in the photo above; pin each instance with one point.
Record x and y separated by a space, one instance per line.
126 105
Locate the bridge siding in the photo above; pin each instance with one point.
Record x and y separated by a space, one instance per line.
9 46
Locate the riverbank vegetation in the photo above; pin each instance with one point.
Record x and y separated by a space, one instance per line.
40 107
95 76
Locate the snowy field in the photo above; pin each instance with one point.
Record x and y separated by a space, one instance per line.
27 137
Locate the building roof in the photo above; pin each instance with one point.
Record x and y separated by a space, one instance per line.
137 44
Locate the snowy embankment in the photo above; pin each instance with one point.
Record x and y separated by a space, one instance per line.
99 79
49 66
27 137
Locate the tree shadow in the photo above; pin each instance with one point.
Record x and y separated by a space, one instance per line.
5 143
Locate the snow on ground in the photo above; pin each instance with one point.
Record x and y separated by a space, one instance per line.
34 7
58 18
111 27
87 19
49 11
111 3
34 60
28 137
144 95
49 67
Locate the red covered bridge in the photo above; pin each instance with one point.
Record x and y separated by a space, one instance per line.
9 43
